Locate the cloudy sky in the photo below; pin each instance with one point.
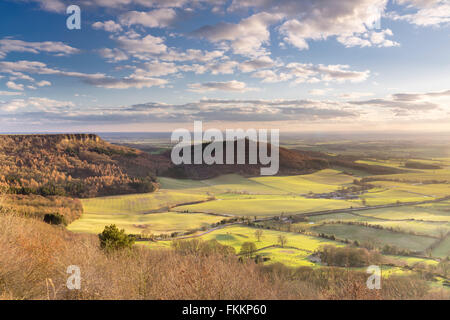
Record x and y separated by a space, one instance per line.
158 65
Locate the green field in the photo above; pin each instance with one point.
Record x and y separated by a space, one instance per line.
264 207
298 246
319 182
161 200
420 212
443 250
156 223
230 183
184 205
378 237
390 196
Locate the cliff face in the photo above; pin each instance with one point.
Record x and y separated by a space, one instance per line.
81 165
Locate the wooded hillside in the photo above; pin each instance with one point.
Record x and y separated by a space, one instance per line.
79 165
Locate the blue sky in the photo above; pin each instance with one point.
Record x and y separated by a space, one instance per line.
296 65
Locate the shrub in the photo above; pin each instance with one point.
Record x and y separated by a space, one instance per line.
55 218
247 249
114 239
202 248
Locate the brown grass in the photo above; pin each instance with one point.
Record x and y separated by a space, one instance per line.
34 258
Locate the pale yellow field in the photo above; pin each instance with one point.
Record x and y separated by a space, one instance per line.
156 223
263 207
319 182
140 203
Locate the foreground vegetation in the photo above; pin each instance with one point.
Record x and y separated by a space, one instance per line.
35 256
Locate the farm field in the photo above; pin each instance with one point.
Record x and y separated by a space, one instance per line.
426 212
322 181
156 223
266 207
418 227
425 190
443 250
183 205
379 237
391 196
421 176
319 182
298 246
230 183
430 228
161 200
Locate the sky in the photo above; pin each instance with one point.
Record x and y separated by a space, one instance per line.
293 65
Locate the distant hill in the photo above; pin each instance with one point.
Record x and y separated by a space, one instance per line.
291 163
80 165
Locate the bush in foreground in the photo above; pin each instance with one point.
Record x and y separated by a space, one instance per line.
114 239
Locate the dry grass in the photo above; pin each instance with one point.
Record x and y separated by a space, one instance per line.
34 258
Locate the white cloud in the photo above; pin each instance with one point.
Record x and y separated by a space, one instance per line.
156 69
307 72
233 86
14 86
158 18
109 26
369 39
11 45
95 79
428 13
126 82
311 73
113 55
270 76
50 5
246 38
192 55
43 83
318 20
143 46
43 104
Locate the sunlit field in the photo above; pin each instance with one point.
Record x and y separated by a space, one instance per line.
376 236
262 207
154 223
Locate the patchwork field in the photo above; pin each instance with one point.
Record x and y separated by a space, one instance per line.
378 237
183 205
319 182
156 223
427 212
263 207
162 200
296 251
